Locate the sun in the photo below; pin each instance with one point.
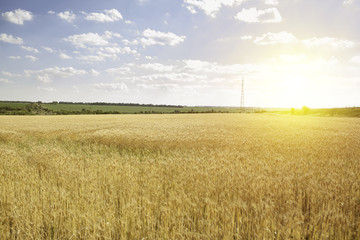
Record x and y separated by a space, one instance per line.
295 90
298 82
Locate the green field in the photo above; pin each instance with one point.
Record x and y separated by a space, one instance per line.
324 112
13 105
28 108
132 109
17 108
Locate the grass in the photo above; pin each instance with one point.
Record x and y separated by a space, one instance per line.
321 112
12 105
60 108
204 176
132 109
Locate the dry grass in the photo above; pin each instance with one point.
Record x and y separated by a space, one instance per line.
215 176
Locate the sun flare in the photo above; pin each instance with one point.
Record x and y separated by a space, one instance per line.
295 87
298 80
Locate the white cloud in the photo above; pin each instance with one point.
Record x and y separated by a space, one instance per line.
348 2
89 39
192 9
275 38
46 75
31 58
43 78
51 12
4 80
175 77
47 89
64 56
119 71
92 58
185 74
285 37
110 34
215 68
15 57
10 39
152 37
50 50
247 37
184 71
118 50
210 7
94 72
67 16
111 15
111 86
17 16
9 74
328 41
163 86
30 49
103 53
252 15
355 59
271 2
158 67
127 42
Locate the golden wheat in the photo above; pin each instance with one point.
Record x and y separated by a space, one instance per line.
212 176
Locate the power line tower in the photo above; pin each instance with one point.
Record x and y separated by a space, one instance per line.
242 102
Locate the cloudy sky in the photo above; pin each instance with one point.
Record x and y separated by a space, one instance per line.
189 52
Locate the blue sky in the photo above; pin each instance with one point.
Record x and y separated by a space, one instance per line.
189 52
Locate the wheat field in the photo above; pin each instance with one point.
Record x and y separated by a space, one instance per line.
204 176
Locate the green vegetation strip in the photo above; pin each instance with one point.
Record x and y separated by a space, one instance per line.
38 108
69 108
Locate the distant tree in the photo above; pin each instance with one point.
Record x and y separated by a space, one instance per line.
306 110
292 111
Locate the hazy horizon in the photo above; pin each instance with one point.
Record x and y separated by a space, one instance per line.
291 53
